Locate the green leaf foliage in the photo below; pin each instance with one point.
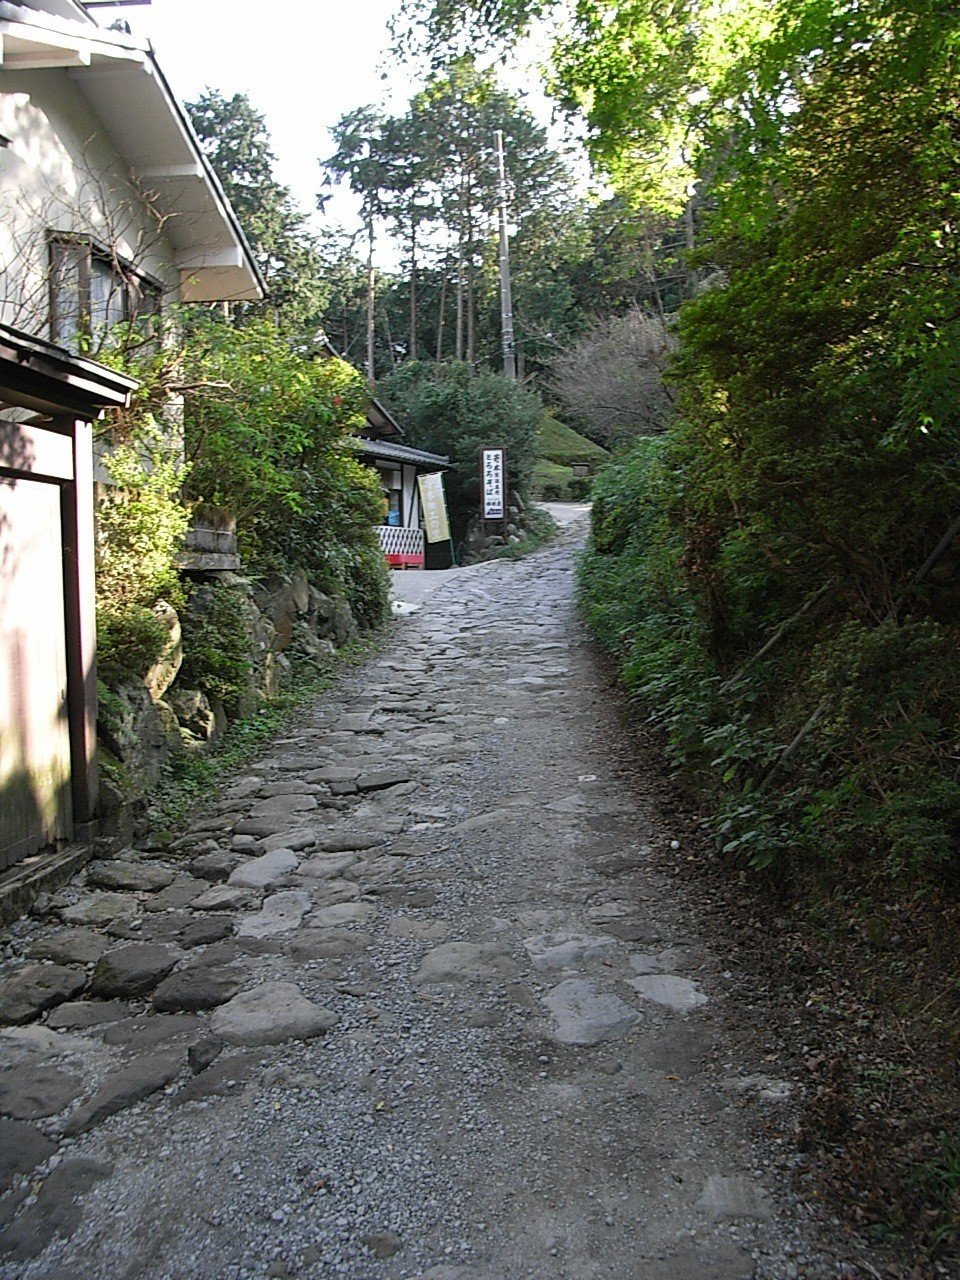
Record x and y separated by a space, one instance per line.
779 575
130 639
269 436
234 137
140 519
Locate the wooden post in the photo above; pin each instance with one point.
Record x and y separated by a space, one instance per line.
76 509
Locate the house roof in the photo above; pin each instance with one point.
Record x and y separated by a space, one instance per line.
35 374
126 90
381 419
387 451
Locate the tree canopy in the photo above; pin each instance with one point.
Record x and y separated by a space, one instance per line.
235 138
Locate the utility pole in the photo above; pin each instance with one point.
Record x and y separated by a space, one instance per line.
506 296
371 295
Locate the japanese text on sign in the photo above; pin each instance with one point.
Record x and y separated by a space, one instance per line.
492 479
434 507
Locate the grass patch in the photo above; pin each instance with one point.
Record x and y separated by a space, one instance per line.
560 447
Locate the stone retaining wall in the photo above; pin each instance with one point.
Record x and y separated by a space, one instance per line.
144 723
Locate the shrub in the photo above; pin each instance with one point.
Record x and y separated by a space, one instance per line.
269 437
130 639
141 521
216 644
611 378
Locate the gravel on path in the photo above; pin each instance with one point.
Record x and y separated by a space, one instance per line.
410 998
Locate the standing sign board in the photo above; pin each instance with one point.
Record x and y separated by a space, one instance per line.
493 485
432 500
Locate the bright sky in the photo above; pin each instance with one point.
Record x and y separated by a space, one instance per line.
302 63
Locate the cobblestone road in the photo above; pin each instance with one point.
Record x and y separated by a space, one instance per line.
408 999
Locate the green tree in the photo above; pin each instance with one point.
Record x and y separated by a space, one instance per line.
236 141
430 174
363 160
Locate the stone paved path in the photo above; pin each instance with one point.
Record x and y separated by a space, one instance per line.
408 999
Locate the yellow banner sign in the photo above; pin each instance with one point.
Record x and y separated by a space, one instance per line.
434 505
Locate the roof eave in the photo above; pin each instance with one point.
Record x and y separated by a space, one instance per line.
87 52
35 374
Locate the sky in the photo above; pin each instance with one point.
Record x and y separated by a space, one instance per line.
302 63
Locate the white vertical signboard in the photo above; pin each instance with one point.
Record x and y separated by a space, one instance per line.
434 505
493 483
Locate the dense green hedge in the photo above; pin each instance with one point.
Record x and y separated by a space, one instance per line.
835 748
779 576
267 434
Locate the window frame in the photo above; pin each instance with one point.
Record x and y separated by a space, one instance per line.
136 286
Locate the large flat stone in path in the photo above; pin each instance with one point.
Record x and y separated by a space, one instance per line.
341 913
359 722
679 994
380 779
33 988
283 806
270 1014
265 870
201 933
193 989
584 1015
325 866
214 867
467 962
335 773
342 839
224 897
35 1091
184 892
150 1030
297 839
330 892
137 876
558 951
266 826
99 908
55 1213
79 1014
124 1088
279 913
22 1148
69 946
326 944
131 971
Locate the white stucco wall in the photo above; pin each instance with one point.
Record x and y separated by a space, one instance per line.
60 174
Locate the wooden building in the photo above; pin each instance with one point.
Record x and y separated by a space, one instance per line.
48 696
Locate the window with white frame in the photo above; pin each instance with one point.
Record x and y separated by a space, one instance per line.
91 290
